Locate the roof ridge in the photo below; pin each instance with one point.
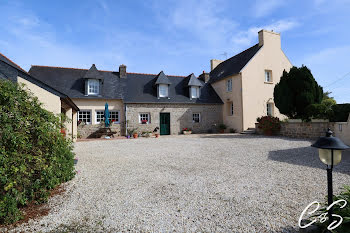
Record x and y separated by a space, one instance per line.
242 51
60 67
13 62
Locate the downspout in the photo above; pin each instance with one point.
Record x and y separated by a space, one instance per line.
126 119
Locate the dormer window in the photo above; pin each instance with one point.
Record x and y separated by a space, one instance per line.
194 92
93 87
163 90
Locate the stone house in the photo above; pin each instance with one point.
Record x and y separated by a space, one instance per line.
235 92
52 99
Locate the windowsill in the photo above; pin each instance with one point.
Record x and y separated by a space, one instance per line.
268 82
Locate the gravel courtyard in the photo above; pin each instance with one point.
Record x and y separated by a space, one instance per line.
206 183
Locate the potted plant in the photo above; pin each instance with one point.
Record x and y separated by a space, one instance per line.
222 128
186 131
269 125
144 122
132 133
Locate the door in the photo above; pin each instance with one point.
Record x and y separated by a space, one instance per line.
164 124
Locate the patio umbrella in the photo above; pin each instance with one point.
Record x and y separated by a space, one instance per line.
106 115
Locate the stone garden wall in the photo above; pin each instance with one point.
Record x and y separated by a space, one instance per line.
313 130
97 130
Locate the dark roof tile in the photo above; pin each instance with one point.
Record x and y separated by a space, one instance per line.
233 65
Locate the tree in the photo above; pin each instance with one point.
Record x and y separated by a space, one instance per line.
296 90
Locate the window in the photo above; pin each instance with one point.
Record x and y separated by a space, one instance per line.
229 85
196 117
194 92
269 109
340 127
84 116
230 108
163 90
268 76
113 116
100 116
93 87
144 118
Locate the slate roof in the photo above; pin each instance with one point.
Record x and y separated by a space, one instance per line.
11 63
135 88
233 65
194 81
10 71
162 79
72 81
93 73
142 89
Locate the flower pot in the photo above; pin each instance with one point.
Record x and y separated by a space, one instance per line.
135 135
222 131
157 135
187 132
268 132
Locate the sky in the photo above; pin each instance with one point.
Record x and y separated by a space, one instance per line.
179 37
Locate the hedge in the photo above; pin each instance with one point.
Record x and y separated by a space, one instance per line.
340 112
34 156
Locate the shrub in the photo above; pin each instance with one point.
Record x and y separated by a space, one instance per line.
343 212
222 126
269 124
318 111
232 130
35 157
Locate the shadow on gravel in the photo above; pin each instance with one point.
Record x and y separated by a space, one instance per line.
308 157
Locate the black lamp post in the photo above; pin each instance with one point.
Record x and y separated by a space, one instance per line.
329 151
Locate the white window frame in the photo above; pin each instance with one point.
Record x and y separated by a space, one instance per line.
93 87
269 109
111 112
229 85
87 111
163 90
194 92
268 76
110 116
142 117
196 116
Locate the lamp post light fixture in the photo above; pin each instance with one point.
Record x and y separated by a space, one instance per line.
329 151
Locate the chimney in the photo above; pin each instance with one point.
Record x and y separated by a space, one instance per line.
269 38
214 63
204 77
122 71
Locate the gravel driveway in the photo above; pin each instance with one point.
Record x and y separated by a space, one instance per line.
207 183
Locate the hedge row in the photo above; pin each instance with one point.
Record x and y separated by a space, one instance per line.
34 156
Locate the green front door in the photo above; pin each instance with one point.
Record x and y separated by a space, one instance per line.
164 123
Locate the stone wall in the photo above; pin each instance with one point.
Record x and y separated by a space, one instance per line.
310 130
180 116
96 130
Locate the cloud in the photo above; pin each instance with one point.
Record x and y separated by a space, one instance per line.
263 8
245 38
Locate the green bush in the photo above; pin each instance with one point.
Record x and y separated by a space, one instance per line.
318 111
340 112
34 156
343 212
